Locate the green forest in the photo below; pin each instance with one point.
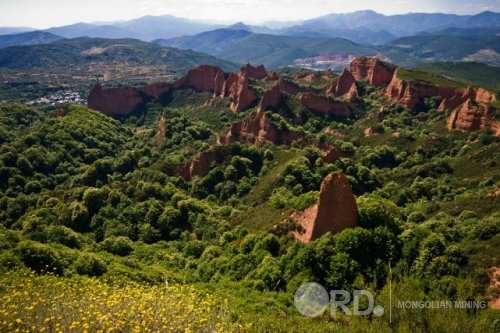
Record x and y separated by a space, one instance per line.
87 202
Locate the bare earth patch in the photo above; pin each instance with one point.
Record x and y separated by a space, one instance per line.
494 287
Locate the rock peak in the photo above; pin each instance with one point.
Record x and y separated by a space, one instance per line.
335 211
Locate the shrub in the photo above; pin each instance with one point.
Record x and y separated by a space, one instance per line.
88 264
120 245
39 257
63 235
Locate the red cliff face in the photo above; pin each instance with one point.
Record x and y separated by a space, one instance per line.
198 166
410 93
120 101
335 211
375 71
292 88
236 86
204 78
344 86
257 129
324 105
257 73
114 101
271 98
473 117
308 77
155 91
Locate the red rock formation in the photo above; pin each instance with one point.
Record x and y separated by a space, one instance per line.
324 105
120 101
229 84
257 129
198 166
308 77
375 71
155 91
160 129
203 78
236 86
410 93
291 88
257 73
330 151
381 114
484 96
114 101
370 131
271 98
335 211
473 117
345 86
273 76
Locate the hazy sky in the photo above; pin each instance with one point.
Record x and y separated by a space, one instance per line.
48 13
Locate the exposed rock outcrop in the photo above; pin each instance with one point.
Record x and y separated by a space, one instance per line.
273 76
271 98
473 117
291 88
344 86
198 166
471 105
203 78
236 86
308 77
119 101
479 95
125 100
370 131
335 211
330 152
410 93
324 105
373 70
257 73
257 129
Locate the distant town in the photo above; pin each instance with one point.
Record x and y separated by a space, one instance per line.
59 97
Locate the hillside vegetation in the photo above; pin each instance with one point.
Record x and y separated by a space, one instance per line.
76 62
477 74
97 234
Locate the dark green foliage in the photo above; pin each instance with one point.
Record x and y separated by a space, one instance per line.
40 257
88 264
120 245
86 193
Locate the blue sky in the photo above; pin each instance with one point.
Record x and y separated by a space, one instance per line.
48 13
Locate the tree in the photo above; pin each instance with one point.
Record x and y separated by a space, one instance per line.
88 264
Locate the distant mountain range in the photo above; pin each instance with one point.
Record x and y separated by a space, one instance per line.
363 27
397 25
28 38
331 40
273 51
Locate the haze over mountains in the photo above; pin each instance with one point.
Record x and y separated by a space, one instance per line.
360 24
328 41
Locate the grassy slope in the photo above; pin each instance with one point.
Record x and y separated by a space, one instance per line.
427 77
475 73
262 216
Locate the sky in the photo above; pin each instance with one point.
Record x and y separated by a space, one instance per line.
49 13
